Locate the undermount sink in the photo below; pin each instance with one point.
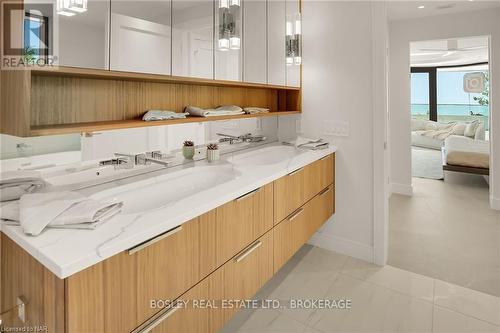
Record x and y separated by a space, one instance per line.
74 176
158 192
265 156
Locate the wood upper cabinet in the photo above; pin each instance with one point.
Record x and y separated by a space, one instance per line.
243 220
161 269
193 38
141 36
255 41
83 38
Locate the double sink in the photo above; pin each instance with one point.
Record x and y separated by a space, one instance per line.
159 190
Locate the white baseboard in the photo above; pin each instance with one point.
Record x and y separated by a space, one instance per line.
494 203
342 245
403 189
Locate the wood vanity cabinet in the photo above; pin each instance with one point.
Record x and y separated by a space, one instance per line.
243 220
226 254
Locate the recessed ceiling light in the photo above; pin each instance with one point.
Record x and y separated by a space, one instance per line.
421 7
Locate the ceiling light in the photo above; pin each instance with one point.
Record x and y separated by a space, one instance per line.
421 7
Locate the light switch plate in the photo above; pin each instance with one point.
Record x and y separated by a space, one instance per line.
21 308
336 128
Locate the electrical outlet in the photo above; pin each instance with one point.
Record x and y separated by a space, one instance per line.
298 126
258 124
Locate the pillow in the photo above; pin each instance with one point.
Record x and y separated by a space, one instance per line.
470 129
431 126
459 129
418 124
445 126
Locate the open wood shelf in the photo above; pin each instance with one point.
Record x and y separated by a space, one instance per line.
134 123
132 76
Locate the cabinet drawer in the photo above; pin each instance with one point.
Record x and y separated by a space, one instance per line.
319 175
248 271
289 193
322 208
239 279
123 286
300 186
242 221
289 236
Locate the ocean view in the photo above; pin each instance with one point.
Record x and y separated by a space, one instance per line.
453 112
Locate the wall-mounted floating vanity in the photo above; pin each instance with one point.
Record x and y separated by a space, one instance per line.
220 243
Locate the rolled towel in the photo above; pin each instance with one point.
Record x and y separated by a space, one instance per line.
13 184
36 211
255 110
227 110
153 115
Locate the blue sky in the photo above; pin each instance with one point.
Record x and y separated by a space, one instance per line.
450 89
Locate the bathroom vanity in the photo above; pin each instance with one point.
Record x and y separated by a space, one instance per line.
220 242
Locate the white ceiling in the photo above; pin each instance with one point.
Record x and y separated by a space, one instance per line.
407 9
451 52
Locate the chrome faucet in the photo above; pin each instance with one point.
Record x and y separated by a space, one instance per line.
241 138
129 161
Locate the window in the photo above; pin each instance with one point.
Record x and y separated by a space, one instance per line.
420 103
36 44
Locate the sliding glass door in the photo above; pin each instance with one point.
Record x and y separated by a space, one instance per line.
423 93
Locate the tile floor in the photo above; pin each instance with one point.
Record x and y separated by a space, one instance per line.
384 299
446 230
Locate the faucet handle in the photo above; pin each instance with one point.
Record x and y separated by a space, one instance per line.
157 154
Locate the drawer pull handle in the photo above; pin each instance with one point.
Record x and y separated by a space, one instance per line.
294 215
157 319
247 195
252 248
325 191
295 172
144 245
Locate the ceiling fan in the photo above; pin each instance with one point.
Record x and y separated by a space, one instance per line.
452 47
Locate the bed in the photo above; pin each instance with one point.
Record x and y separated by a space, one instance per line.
462 154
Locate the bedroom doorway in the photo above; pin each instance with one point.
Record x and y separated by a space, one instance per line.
449 211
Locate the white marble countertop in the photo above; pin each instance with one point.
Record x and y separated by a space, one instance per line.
65 252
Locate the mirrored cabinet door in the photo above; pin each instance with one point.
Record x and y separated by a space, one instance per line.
82 34
293 33
276 17
228 40
255 41
141 36
193 38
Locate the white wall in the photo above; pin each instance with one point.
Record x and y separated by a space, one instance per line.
338 85
480 23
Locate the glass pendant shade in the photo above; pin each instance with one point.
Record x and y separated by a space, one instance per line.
223 44
234 43
234 2
223 3
63 8
79 6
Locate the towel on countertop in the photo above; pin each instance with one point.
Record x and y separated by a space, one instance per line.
226 110
13 184
307 143
34 212
153 115
255 110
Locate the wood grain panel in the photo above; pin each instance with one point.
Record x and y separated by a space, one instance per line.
22 275
243 220
69 100
289 194
243 278
15 86
318 175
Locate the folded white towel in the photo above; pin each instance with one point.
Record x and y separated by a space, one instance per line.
13 184
153 115
307 143
227 110
36 211
255 110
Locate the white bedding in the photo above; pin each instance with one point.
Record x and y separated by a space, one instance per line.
464 151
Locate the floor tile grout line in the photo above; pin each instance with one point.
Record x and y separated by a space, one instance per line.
466 315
